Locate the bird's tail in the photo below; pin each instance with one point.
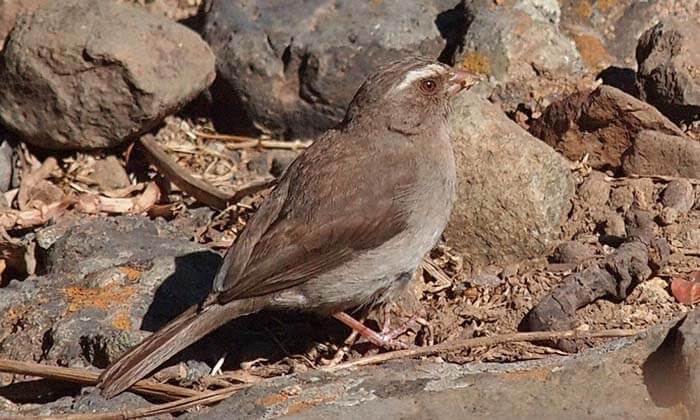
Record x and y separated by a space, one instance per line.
184 330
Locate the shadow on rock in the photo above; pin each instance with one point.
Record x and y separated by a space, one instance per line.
179 291
663 373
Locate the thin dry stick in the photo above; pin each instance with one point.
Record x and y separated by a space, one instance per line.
81 376
481 342
243 142
180 177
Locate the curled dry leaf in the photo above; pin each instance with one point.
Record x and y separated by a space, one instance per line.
11 219
686 291
30 180
92 204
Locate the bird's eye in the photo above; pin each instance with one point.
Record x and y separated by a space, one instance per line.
428 86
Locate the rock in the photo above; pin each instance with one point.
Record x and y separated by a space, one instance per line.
619 23
668 216
601 124
572 252
6 166
10 9
679 194
109 281
643 191
503 214
595 190
294 69
668 75
615 226
518 45
281 159
656 153
486 280
109 174
86 75
688 343
621 198
90 402
508 43
604 383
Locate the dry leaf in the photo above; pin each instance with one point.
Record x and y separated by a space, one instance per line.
686 291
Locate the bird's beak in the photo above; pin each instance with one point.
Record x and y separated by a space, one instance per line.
460 80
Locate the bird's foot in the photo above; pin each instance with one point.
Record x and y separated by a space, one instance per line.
383 340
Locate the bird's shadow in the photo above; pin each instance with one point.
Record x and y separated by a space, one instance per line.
266 335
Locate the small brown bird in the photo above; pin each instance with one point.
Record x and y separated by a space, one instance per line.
348 223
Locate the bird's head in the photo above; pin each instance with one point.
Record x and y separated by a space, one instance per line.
409 95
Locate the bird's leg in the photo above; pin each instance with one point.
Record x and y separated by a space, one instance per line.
342 350
372 336
389 333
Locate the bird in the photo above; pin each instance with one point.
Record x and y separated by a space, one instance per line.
347 224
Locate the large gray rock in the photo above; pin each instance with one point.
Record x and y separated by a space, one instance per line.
85 75
606 32
294 67
513 190
603 383
518 45
516 40
668 57
109 282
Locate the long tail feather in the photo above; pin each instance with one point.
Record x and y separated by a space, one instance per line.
184 330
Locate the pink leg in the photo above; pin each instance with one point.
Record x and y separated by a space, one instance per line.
379 340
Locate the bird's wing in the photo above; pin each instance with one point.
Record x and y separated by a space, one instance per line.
318 217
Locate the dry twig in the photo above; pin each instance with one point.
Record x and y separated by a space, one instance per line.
243 142
481 342
82 376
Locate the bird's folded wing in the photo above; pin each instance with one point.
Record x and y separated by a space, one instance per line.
316 222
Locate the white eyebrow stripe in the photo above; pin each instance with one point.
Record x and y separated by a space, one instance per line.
414 75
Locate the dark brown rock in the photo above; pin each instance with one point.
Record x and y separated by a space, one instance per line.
639 257
86 75
513 190
572 252
679 195
293 68
601 124
668 57
656 153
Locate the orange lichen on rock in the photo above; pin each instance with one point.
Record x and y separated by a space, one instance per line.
80 297
272 399
476 62
592 50
584 9
301 406
605 5
132 274
121 321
